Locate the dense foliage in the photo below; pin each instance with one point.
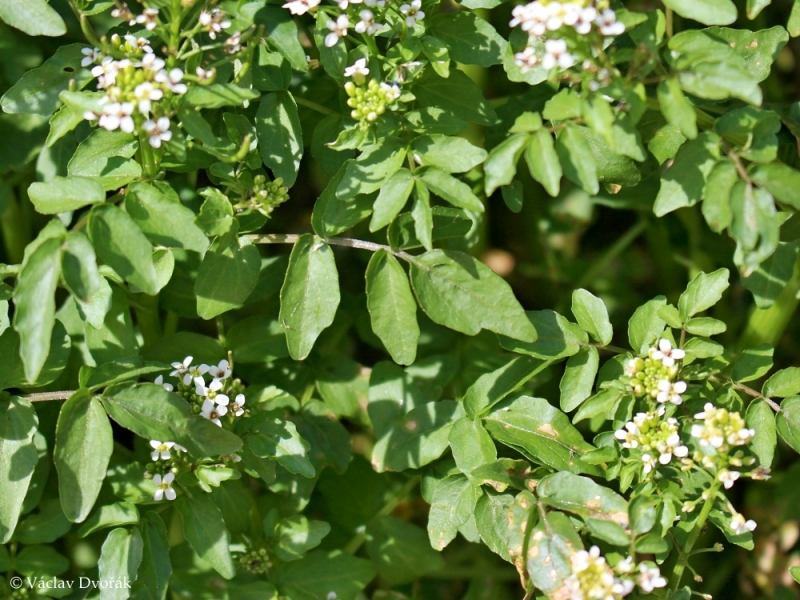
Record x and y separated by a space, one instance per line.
261 299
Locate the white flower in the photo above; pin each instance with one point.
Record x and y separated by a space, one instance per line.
666 353
357 68
367 23
338 29
179 448
740 526
562 14
117 116
670 391
220 371
556 55
157 131
90 55
532 18
212 392
301 7
649 463
160 449
527 59
145 93
608 23
390 92
238 403
166 386
164 487
213 412
650 578
139 43
205 74
172 80
182 370
214 21
106 72
586 17
234 43
728 478
413 12
343 4
625 566
148 18
153 63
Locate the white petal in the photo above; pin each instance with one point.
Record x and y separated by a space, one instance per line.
158 495
170 493
169 477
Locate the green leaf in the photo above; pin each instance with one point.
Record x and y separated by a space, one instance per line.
783 383
501 164
437 53
34 298
280 32
491 519
771 277
34 17
82 278
490 388
278 439
84 442
120 243
204 529
446 186
683 183
761 419
583 497
12 372
110 515
153 413
645 326
557 337
400 551
703 292
788 422
155 569
577 159
280 138
227 275
452 504
392 309
471 445
321 574
391 199
217 95
120 558
676 108
707 12
780 180
106 157
717 195
333 214
451 154
216 213
552 543
753 363
592 315
257 339
422 215
578 380
542 433
543 163
18 457
705 326
373 168
158 212
271 71
470 39
37 91
457 94
62 194
759 49
310 294
459 292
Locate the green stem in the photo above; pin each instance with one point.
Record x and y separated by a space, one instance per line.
292 238
358 539
13 226
686 551
313 106
601 264
767 325
174 31
49 396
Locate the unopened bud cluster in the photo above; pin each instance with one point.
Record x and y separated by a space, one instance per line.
266 196
656 375
255 561
371 101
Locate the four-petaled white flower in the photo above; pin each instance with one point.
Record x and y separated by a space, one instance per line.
157 131
740 526
214 21
338 29
527 59
556 55
390 92
117 116
213 412
145 94
666 353
357 69
220 371
413 12
148 18
237 408
152 62
212 392
139 43
172 80
367 23
650 578
160 449
166 386
90 55
164 487
182 370
670 391
728 478
607 21
301 7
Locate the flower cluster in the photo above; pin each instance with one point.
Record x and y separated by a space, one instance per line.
212 398
555 23
168 458
368 101
655 437
255 561
656 376
266 196
592 577
139 90
367 22
213 21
